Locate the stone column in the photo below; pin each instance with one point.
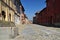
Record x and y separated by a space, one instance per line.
12 16
7 13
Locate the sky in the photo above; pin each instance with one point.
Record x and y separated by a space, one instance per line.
32 6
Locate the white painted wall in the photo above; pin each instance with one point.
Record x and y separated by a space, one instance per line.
17 19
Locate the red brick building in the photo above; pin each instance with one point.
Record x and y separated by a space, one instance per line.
41 17
50 14
53 10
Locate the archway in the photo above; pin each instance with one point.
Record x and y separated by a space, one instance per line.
3 15
9 17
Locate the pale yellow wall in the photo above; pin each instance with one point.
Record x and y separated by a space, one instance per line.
12 16
7 13
11 4
7 10
5 1
0 11
3 8
0 6
8 2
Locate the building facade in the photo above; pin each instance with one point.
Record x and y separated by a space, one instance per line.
50 14
53 10
10 10
22 15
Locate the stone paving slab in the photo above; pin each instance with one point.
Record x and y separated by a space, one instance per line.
7 33
30 32
36 32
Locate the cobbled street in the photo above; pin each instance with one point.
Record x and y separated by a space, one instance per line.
30 32
37 32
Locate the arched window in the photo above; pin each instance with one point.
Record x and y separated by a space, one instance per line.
3 15
9 17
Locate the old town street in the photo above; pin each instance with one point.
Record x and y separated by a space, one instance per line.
38 32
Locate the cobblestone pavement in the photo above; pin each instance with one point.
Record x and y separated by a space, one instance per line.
37 32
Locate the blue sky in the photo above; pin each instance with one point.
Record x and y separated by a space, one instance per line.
32 6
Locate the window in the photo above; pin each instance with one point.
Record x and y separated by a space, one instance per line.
3 15
9 17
